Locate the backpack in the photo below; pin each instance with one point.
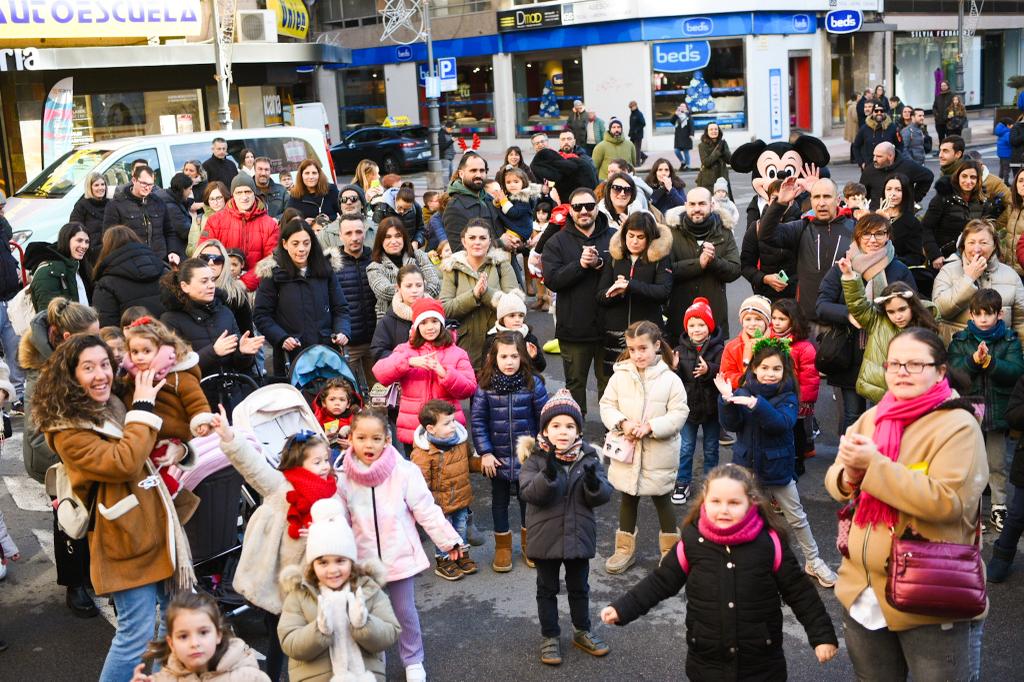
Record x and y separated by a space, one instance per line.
776 560
20 311
73 516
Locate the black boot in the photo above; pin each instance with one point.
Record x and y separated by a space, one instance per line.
80 603
998 567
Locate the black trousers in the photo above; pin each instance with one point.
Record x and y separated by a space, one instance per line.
577 585
275 657
71 558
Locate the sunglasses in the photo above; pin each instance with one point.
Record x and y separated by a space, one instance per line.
621 189
213 259
586 206
349 200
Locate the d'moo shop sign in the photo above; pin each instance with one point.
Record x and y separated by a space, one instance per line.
34 19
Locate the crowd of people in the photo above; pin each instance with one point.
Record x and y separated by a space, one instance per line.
913 314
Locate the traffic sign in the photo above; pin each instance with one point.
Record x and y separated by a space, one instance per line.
447 73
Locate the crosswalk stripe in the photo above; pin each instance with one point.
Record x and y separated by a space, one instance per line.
45 538
28 494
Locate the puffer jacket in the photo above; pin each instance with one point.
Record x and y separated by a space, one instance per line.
576 286
148 218
181 400
355 285
935 483
201 326
701 394
879 330
89 212
953 290
870 135
254 233
476 316
650 284
995 381
655 396
1010 238
445 471
128 277
308 649
803 353
832 308
420 384
412 219
746 644
609 149
57 276
312 205
516 213
560 520
385 502
464 205
758 258
500 419
238 664
946 217
764 435
392 329
383 278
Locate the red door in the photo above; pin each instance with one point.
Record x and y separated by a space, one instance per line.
800 93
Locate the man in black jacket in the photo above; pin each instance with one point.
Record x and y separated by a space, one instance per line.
219 166
637 123
351 265
566 169
770 270
467 200
274 196
884 162
878 128
573 260
141 210
940 108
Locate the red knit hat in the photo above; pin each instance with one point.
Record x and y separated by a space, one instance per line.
424 309
701 309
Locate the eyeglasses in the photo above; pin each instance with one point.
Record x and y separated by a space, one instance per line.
349 200
213 259
622 189
879 236
584 207
912 367
140 183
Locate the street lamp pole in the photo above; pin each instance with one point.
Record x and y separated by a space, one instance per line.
959 85
434 178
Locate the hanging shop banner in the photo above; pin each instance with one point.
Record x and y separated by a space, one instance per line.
34 19
58 115
292 17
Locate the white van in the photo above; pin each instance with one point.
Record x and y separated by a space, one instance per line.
39 209
312 115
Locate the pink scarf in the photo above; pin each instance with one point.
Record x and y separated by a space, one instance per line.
741 532
376 473
164 360
891 418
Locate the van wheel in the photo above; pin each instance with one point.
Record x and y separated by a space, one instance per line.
391 164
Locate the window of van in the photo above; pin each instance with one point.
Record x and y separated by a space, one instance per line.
65 174
120 172
285 153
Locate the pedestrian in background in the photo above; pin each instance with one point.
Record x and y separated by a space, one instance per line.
682 143
637 123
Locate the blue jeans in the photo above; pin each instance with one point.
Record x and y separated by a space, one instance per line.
854 406
458 519
1013 526
136 626
501 498
688 443
684 156
9 340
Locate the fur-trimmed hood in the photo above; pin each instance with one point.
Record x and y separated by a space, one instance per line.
524 447
266 266
460 261
656 250
293 578
875 125
527 194
674 216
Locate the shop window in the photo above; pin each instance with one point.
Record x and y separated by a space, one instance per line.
471 104
717 92
364 98
921 61
545 83
115 115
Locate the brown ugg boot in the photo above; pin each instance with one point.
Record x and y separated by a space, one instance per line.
625 553
502 552
522 545
666 541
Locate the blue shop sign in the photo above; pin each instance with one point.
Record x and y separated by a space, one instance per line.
403 53
843 21
680 56
698 27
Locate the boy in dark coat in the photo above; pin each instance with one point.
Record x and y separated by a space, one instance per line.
562 480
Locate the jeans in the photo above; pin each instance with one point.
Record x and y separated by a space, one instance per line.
136 626
576 361
458 520
10 340
1013 525
977 631
789 501
576 574
853 407
688 443
403 600
684 156
361 363
501 497
927 652
995 447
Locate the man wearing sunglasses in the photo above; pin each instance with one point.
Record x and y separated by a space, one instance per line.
243 224
573 260
877 128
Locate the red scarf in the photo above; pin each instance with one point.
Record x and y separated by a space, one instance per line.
892 417
307 488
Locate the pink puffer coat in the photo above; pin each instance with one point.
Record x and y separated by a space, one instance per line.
420 385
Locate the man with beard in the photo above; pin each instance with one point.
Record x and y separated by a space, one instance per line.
274 196
566 169
468 200
573 260
704 259
878 128
613 146
884 162
819 240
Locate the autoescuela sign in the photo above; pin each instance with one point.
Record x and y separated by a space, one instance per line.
35 19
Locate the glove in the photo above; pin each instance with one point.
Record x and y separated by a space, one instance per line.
590 478
357 613
551 469
323 622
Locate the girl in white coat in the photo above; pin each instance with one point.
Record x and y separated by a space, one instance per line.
644 403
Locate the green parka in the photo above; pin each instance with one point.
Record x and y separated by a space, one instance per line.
995 381
55 277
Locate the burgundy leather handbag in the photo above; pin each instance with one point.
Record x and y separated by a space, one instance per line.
939 579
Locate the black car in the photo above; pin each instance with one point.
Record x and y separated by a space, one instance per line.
393 149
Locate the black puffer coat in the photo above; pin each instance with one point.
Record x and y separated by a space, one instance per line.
560 514
701 394
128 276
650 284
201 325
89 212
946 217
362 304
733 611
392 329
148 218
499 419
312 205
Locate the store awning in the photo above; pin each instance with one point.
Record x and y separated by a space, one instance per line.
187 54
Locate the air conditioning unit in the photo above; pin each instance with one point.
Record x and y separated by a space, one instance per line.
256 26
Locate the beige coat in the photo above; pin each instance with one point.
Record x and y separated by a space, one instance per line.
851 126
935 484
953 290
1009 237
657 397
308 649
238 664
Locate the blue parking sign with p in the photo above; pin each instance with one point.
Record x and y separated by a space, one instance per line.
446 68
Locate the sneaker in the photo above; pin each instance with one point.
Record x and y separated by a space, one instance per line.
589 642
551 651
18 407
415 673
726 438
998 516
820 571
681 494
465 563
551 347
447 569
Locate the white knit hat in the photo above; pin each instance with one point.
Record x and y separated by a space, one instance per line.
508 304
722 184
329 533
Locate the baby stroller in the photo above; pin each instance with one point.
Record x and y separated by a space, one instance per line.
312 367
273 414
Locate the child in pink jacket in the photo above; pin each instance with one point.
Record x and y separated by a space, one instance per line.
788 322
430 366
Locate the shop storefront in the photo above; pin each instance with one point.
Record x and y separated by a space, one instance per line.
362 97
471 105
546 84
709 75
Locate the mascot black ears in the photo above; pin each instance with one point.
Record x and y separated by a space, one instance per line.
778 160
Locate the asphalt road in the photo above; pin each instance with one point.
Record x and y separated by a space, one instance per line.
484 626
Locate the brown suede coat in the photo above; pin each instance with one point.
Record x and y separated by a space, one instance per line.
447 472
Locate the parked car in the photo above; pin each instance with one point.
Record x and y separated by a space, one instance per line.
394 149
39 209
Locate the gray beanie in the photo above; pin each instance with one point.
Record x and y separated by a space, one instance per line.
243 178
